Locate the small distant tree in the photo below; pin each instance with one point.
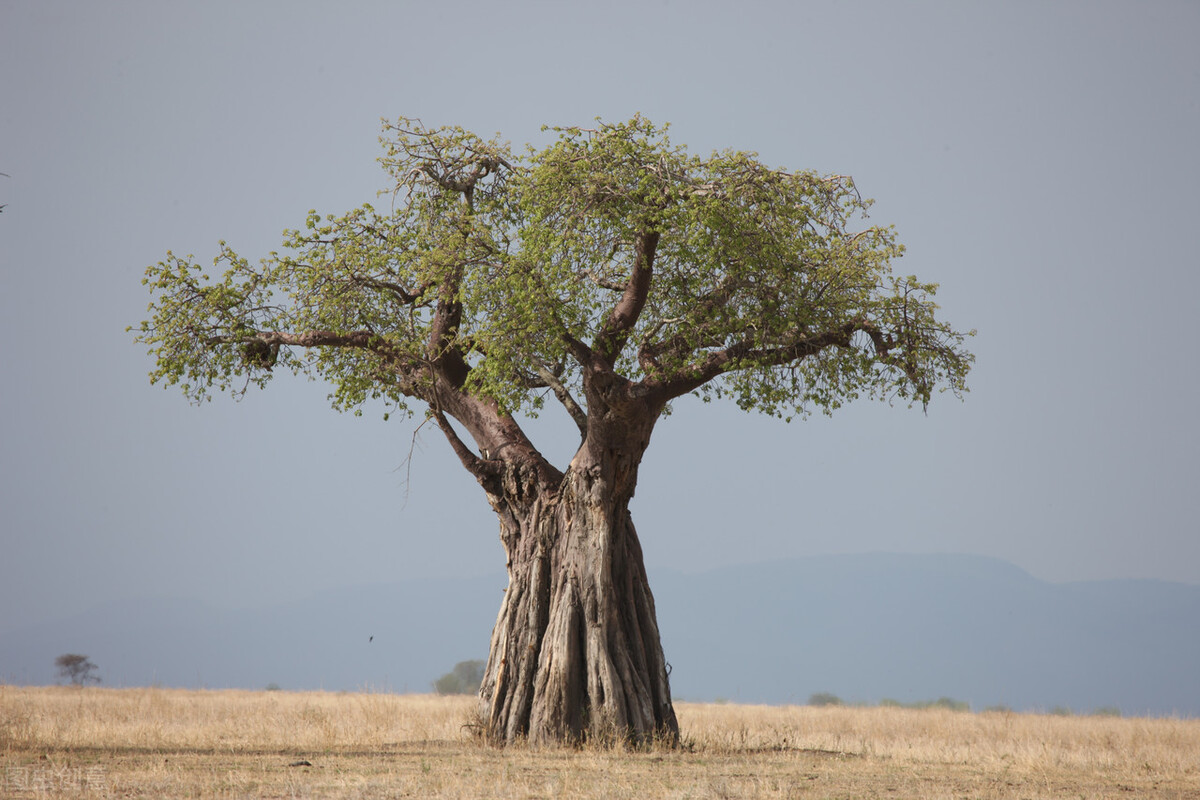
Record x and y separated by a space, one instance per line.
824 699
465 678
76 668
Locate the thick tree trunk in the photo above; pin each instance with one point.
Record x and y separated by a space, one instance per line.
575 654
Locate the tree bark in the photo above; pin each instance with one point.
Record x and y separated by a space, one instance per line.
575 654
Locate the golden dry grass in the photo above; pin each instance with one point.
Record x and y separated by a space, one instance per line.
167 743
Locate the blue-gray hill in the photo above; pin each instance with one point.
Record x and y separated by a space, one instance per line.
864 627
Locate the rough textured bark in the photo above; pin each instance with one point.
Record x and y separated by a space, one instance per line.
575 653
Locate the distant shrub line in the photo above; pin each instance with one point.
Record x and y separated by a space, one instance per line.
948 703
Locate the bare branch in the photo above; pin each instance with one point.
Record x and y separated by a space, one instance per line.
485 471
624 316
721 361
564 396
650 352
306 339
603 282
404 296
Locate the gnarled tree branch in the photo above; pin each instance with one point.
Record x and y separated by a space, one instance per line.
564 396
719 362
624 316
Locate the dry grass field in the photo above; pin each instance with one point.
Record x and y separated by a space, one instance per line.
167 743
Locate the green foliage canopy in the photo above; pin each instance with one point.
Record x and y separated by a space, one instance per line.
609 252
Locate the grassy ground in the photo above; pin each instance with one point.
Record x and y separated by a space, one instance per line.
167 743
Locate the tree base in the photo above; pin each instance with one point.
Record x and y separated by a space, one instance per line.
575 655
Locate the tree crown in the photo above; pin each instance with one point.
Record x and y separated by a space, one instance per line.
610 255
76 668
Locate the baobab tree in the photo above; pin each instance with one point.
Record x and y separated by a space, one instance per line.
612 271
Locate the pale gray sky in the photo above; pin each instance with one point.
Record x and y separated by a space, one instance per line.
1039 160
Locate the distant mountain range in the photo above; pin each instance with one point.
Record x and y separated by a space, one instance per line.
863 627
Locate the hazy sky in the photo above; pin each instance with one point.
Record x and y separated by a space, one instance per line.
1039 160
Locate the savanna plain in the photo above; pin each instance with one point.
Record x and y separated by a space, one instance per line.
174 743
